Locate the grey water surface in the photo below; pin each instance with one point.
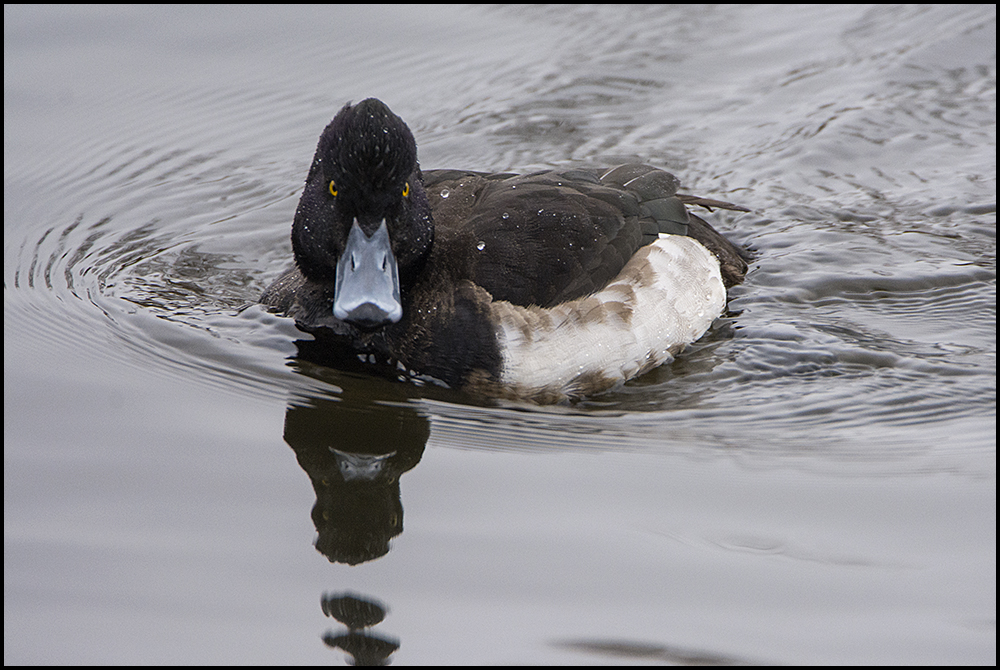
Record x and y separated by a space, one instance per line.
812 482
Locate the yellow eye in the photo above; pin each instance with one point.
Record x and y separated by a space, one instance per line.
406 189
333 188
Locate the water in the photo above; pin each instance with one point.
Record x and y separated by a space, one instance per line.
813 482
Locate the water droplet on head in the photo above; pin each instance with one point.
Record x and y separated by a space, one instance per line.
445 193
505 215
481 246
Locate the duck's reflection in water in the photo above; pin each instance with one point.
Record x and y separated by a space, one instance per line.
354 450
355 446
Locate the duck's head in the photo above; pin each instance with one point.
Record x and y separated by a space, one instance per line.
364 222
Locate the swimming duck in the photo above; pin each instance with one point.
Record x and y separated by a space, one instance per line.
541 286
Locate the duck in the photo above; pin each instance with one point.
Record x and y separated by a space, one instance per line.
548 286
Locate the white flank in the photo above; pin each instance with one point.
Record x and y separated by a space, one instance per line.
665 297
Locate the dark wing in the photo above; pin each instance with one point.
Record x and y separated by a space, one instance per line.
537 239
547 237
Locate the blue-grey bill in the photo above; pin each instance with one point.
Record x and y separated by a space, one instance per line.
367 283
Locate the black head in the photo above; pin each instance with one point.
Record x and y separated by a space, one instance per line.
365 172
